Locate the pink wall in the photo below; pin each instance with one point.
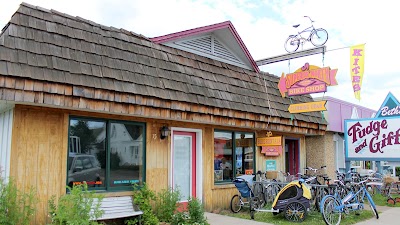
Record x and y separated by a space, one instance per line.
339 110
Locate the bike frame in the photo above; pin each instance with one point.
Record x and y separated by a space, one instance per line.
360 193
309 29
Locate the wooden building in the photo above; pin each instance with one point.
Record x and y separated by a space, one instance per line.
80 101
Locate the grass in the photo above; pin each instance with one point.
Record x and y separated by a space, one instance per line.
382 200
313 218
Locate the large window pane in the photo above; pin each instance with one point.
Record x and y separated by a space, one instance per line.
126 148
105 154
86 155
223 156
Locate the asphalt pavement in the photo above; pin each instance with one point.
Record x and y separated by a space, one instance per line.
387 216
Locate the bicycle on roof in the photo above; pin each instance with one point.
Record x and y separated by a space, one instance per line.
317 37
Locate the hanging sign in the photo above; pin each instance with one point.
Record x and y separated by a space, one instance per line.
357 54
271 150
269 141
307 107
306 80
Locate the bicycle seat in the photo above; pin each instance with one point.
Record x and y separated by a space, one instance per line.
296 26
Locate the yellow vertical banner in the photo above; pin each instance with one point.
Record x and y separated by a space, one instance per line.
357 54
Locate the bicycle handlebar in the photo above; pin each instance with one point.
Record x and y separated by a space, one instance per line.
312 21
314 170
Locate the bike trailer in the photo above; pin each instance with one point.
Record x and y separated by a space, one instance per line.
294 192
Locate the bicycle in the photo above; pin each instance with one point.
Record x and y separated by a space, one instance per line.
318 189
332 206
317 36
243 185
259 188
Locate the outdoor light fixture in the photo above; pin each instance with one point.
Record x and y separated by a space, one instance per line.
164 132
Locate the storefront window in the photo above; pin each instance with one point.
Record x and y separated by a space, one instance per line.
105 154
244 153
228 163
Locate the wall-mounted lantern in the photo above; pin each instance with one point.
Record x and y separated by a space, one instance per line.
164 132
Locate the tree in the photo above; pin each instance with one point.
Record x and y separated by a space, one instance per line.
81 129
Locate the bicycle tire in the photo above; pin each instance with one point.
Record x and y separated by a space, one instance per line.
254 201
295 212
319 37
292 43
259 193
328 204
270 193
319 198
372 205
236 205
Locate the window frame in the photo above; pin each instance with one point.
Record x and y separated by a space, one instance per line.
108 122
233 138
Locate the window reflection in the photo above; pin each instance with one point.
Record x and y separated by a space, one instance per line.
126 144
86 152
89 159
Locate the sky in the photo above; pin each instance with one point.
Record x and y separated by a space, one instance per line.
264 25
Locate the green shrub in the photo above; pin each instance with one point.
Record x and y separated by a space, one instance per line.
144 197
166 204
165 207
75 207
16 207
196 212
179 218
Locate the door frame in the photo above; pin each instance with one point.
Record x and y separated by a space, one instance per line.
199 159
297 150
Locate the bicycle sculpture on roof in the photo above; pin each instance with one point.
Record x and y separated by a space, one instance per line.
317 36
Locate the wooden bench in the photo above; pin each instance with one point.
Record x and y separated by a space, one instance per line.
118 207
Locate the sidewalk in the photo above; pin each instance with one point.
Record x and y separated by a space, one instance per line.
217 219
387 216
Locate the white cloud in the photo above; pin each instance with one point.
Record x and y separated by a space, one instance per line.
264 26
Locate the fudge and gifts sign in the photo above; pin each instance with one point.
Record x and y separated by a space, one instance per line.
373 139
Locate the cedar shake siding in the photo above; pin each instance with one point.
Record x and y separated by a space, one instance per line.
48 58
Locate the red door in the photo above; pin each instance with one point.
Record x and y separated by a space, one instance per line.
293 157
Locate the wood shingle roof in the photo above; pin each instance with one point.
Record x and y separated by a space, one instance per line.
51 58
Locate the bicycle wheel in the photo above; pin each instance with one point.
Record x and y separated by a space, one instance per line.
318 198
329 211
292 44
259 193
236 203
319 37
372 205
254 204
270 193
295 212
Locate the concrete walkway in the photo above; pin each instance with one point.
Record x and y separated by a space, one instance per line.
387 216
217 219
